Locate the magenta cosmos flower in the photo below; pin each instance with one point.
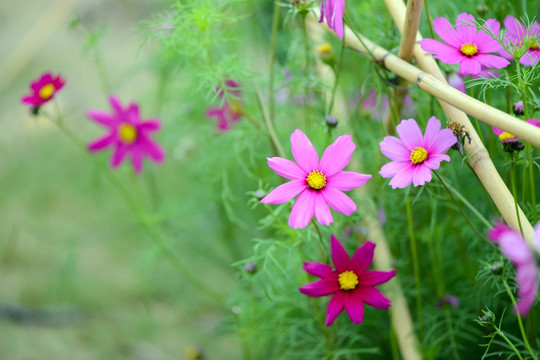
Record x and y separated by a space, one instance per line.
414 155
351 283
516 36
507 137
228 113
515 248
332 11
127 134
465 45
317 184
43 90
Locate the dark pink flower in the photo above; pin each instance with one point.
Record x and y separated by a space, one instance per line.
465 45
516 36
515 248
127 134
43 90
350 282
332 11
317 184
507 137
229 112
414 155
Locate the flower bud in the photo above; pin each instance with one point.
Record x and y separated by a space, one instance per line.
251 267
331 121
519 109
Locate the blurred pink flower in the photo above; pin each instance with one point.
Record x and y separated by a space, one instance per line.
43 90
456 81
317 184
507 137
519 109
414 155
350 283
229 112
465 45
517 34
127 134
332 11
514 247
378 110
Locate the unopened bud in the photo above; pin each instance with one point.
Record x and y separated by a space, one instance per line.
331 121
259 194
251 267
519 109
497 268
482 10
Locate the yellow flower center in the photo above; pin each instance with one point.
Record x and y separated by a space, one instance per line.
324 49
418 155
506 136
46 91
348 280
469 49
316 180
127 133
534 46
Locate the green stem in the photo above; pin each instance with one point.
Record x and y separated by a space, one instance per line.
336 69
320 243
520 322
275 23
307 75
430 22
416 267
501 334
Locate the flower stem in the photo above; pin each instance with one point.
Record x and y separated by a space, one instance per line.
501 334
320 243
416 268
275 23
520 322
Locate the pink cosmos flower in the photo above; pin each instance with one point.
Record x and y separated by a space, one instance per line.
43 90
507 137
456 81
515 248
127 134
465 45
517 34
414 155
332 11
228 113
351 283
317 184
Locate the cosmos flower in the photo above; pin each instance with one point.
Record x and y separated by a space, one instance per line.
332 11
127 134
350 282
515 248
465 45
507 137
317 184
456 81
43 90
229 112
515 37
414 155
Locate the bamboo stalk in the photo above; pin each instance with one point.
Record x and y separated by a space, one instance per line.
406 48
478 156
399 312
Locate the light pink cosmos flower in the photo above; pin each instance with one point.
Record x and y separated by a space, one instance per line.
351 283
517 34
515 248
414 155
317 184
465 45
456 81
127 134
43 90
507 137
332 11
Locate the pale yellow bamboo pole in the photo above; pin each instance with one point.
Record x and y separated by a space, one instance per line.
406 48
399 311
478 156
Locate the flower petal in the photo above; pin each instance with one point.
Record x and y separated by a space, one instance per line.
394 149
151 149
469 66
303 209
102 143
410 134
340 258
347 180
402 179
319 269
119 154
372 277
337 155
515 27
422 174
440 143
286 168
149 126
322 211
434 161
136 160
492 61
446 31
102 118
442 51
363 257
432 130
335 307
320 288
284 192
303 152
338 200
373 297
354 307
